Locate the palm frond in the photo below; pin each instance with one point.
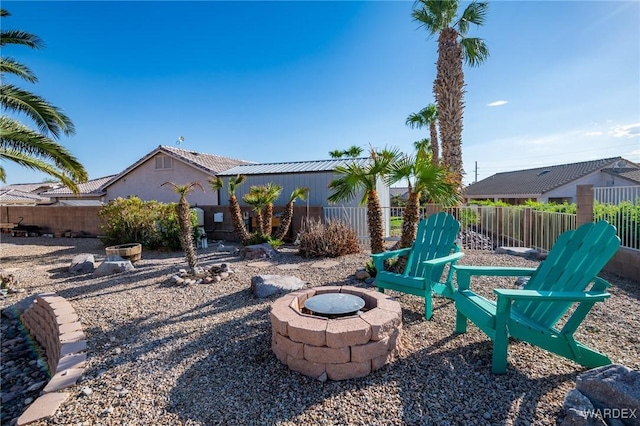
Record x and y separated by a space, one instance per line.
37 164
21 38
475 13
47 117
474 50
13 67
15 136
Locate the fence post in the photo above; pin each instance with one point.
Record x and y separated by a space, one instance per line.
527 228
584 208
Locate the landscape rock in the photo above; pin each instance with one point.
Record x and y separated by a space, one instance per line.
613 387
577 408
110 267
268 285
526 252
82 264
258 251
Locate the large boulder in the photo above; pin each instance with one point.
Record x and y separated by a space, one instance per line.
614 390
113 265
268 285
258 251
578 411
82 264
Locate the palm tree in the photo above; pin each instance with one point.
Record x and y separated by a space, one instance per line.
353 151
256 199
427 116
439 17
184 222
287 215
364 178
271 194
423 177
21 144
234 207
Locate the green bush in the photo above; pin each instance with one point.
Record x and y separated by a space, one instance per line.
331 239
150 223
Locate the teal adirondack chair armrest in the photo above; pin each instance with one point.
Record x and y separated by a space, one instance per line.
379 258
447 285
465 272
552 296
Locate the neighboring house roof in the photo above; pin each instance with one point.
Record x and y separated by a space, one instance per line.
629 173
403 192
32 187
542 179
292 167
91 187
211 164
15 196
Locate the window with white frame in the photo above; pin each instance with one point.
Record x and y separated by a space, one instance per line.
163 162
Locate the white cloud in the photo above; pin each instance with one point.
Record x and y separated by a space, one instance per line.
497 103
593 133
628 131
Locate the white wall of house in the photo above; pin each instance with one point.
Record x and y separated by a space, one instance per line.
144 181
317 182
597 179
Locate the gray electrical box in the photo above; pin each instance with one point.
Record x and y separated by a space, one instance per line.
218 217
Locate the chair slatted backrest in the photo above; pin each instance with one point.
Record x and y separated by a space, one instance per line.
574 261
435 238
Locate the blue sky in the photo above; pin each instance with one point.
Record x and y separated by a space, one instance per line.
290 81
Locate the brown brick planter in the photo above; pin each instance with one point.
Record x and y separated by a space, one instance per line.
343 348
54 324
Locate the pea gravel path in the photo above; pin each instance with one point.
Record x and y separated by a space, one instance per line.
200 355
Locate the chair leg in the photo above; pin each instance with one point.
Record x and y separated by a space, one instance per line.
501 337
461 322
380 290
428 305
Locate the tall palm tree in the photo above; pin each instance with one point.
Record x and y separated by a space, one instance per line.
234 207
423 177
357 178
287 215
256 198
37 150
454 47
184 222
427 116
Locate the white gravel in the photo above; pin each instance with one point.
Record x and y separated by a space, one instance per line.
159 354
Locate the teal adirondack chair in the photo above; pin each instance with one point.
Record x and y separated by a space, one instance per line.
432 250
532 314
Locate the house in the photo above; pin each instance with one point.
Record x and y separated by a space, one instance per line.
554 184
15 197
90 193
145 177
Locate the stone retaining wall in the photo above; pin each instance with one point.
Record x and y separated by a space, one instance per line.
54 324
341 348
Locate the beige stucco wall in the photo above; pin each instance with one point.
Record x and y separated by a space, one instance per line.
144 182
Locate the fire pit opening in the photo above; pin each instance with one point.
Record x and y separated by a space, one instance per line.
334 305
336 332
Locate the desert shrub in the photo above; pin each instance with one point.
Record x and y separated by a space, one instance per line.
331 239
150 223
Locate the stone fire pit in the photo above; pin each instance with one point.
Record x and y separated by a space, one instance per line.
338 348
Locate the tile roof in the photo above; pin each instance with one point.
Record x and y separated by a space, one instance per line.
32 187
538 180
292 167
208 163
16 196
93 186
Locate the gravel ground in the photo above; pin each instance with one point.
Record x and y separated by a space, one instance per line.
159 354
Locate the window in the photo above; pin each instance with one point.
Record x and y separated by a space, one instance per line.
163 162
